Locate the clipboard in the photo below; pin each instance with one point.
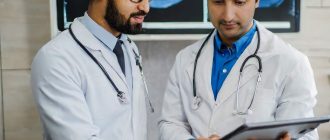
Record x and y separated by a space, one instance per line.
272 130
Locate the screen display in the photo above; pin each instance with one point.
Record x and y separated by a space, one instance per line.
191 16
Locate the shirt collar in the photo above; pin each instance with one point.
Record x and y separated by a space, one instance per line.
107 38
239 45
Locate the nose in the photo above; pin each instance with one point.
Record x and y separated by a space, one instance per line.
144 6
229 13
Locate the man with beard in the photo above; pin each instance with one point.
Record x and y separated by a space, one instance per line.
88 81
240 72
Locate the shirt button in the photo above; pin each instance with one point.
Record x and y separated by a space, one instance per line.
224 70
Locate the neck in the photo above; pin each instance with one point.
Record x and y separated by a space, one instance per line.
97 17
229 41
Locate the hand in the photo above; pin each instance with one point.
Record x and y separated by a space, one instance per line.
212 137
285 136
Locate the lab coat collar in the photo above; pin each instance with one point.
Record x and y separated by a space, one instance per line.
250 71
93 44
203 69
106 37
229 87
88 39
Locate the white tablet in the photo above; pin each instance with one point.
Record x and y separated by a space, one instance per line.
272 130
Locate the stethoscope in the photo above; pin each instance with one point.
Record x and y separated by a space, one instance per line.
197 99
120 95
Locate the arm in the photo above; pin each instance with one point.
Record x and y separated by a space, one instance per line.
173 123
60 99
298 96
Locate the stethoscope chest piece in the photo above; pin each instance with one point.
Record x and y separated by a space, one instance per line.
122 98
196 102
247 112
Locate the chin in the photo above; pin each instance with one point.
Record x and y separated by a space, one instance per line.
231 34
137 26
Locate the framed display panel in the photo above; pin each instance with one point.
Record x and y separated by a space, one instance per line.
191 16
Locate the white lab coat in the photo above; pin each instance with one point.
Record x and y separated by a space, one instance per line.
75 99
287 90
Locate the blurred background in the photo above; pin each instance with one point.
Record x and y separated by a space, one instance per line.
25 26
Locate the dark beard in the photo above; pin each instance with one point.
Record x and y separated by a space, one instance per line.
118 22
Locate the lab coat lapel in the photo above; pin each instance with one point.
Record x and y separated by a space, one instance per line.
113 62
94 46
136 75
190 67
139 102
136 87
204 70
229 86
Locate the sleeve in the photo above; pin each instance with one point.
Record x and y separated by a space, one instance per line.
60 99
173 123
299 95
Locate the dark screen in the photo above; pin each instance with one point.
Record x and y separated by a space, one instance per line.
187 11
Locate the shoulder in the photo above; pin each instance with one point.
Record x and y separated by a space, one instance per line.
56 54
280 51
273 44
58 44
188 54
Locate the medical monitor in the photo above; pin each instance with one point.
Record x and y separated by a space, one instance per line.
186 16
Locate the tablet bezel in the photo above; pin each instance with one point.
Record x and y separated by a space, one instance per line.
276 124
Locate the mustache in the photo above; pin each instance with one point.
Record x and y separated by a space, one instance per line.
223 22
139 13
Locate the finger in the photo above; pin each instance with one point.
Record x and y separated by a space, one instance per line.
202 138
214 137
285 136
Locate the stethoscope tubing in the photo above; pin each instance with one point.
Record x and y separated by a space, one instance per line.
196 98
120 94
95 60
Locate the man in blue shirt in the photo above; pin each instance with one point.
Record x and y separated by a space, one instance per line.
225 57
214 87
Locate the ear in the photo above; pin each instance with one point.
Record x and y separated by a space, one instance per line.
257 3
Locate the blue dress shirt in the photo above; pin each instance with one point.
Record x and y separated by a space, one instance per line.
109 40
224 58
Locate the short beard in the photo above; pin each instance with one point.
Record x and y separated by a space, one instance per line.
118 22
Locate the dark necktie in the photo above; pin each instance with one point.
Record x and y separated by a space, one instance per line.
118 50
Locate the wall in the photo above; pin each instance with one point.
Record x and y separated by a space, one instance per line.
25 27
